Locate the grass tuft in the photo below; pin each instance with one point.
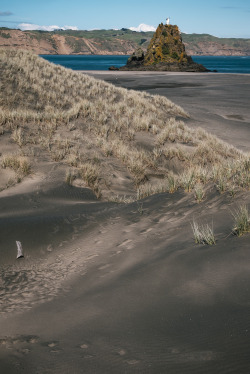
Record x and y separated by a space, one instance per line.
17 163
203 234
64 114
89 173
241 221
199 192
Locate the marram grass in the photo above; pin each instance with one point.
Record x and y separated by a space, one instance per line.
241 221
68 114
203 233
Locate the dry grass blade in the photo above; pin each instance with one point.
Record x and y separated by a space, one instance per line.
199 192
241 221
17 163
203 233
65 112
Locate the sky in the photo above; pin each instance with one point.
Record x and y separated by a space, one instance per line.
222 18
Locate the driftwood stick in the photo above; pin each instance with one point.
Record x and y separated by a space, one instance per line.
19 250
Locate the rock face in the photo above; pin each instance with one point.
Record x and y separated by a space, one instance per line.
137 58
166 51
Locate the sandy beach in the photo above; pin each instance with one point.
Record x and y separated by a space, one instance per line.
122 288
216 102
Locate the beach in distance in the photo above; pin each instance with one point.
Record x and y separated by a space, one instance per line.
117 180
216 102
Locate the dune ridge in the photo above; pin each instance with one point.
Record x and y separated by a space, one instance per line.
106 287
61 114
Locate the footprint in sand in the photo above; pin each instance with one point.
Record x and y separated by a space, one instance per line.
103 267
127 244
52 345
91 257
50 248
122 352
143 232
76 230
115 253
88 357
84 346
75 218
25 351
55 229
33 340
133 362
55 349
19 345
5 343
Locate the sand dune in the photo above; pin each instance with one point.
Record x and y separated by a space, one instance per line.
123 288
123 291
216 102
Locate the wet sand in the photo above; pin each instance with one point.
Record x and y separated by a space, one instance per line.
108 288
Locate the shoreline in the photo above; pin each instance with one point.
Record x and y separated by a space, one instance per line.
138 72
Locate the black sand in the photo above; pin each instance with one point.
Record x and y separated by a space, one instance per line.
217 102
107 288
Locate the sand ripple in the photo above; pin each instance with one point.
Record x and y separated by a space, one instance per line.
22 288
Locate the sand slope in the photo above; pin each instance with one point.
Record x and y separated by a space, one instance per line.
109 288
216 102
128 292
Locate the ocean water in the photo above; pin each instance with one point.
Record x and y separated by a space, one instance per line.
223 64
87 62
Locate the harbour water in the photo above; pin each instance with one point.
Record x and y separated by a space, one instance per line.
87 62
222 64
225 64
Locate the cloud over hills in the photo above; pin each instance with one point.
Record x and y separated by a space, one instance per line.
143 28
31 26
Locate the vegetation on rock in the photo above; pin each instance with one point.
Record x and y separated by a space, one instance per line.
166 51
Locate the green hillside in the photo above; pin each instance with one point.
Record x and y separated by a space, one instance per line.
122 41
194 39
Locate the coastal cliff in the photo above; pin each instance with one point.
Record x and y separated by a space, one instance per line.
69 43
166 51
114 42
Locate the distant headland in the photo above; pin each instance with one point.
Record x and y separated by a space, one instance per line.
114 42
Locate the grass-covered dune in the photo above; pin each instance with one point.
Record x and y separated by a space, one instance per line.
118 142
119 288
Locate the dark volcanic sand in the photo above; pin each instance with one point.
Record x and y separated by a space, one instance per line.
107 288
217 102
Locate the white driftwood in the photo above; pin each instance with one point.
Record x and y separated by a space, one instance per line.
19 250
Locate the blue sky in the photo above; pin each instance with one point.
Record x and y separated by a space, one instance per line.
223 18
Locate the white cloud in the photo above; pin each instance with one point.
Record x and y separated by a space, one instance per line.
143 27
70 28
31 26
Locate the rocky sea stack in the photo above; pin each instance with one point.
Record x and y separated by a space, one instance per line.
166 52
